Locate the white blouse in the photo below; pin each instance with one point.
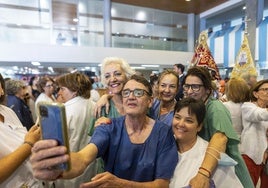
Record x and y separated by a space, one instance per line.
12 135
253 137
191 160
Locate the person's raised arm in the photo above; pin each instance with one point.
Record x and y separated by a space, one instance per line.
80 160
11 162
217 144
103 101
107 179
46 154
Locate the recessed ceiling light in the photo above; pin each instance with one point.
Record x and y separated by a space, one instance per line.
150 65
75 19
135 68
36 63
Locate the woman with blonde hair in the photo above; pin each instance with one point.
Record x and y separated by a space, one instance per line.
163 106
237 92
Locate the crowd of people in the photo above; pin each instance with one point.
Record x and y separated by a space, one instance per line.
175 129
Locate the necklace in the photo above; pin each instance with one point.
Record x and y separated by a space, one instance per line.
169 110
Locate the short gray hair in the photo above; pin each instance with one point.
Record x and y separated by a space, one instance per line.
116 60
14 86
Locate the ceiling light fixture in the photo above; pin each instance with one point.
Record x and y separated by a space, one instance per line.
36 63
135 68
50 69
75 20
150 65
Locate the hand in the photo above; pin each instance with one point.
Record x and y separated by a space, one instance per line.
102 120
45 156
33 134
105 179
103 101
223 99
199 181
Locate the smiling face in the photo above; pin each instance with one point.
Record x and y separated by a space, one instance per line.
136 106
185 126
202 92
168 87
115 78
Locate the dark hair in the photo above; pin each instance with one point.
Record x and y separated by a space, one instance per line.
31 80
196 107
76 82
143 81
256 88
202 73
180 66
2 82
153 79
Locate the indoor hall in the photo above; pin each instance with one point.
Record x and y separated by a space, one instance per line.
63 36
54 37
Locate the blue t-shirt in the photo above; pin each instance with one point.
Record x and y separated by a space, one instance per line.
156 158
155 110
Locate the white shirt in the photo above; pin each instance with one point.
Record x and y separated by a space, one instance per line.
94 95
42 98
79 112
191 160
12 135
236 115
253 137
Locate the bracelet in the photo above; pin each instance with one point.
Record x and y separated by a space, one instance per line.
29 143
213 155
202 168
203 174
214 149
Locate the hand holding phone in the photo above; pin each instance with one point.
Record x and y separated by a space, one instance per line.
52 118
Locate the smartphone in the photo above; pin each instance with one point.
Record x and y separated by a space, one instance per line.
52 119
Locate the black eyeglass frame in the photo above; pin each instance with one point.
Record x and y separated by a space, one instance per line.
194 87
136 92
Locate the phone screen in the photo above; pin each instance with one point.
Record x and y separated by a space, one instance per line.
53 125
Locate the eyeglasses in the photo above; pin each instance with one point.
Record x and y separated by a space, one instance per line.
263 89
194 87
136 92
